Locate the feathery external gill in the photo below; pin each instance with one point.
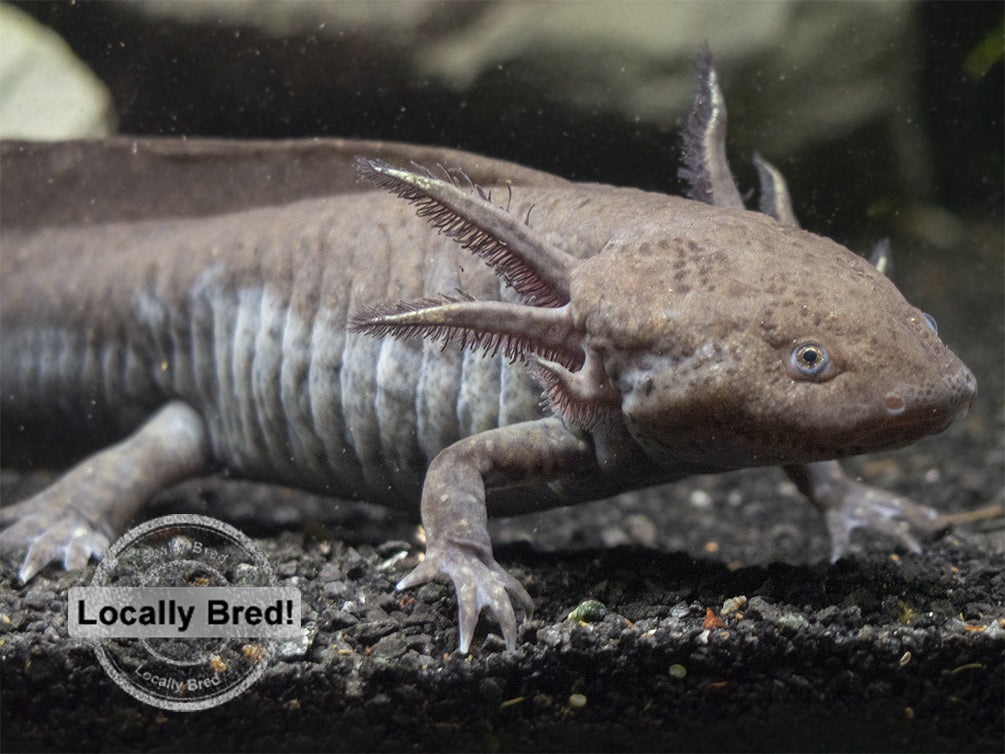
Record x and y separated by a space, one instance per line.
703 159
774 199
514 330
535 269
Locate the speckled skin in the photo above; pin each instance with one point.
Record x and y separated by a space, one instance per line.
667 346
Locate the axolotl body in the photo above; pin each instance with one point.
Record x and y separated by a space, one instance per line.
612 339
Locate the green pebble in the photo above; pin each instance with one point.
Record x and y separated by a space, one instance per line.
589 611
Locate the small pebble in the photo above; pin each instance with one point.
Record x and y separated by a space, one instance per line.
733 604
589 611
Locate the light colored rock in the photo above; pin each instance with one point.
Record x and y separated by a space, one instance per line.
46 94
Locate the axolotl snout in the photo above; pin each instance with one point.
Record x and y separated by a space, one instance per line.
667 336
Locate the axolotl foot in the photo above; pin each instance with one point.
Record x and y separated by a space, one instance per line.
75 518
53 532
480 582
848 505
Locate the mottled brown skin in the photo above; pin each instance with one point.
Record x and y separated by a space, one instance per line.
670 336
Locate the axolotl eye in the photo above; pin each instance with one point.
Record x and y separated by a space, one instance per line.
810 360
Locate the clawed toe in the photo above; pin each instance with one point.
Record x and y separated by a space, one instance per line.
848 505
882 512
478 585
66 538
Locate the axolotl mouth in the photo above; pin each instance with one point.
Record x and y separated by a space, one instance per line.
933 407
912 413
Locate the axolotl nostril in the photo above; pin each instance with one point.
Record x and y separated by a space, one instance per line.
667 336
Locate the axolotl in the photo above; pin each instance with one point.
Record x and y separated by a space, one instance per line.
608 339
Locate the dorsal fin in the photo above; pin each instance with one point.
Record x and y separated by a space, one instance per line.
534 268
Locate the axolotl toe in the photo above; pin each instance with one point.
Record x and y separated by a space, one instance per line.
613 339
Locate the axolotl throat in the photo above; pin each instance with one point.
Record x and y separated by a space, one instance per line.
613 339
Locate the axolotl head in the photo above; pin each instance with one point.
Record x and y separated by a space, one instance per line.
731 340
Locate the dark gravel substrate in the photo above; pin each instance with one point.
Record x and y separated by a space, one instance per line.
876 652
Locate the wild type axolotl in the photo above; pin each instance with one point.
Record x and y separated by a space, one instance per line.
669 336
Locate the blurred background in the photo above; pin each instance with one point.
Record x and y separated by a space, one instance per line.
907 95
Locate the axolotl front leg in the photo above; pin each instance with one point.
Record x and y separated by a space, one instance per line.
454 513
